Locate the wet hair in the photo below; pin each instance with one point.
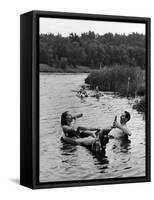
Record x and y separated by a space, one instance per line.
63 118
127 114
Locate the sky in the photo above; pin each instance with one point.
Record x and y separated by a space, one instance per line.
67 26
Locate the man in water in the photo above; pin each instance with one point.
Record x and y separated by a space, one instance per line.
120 130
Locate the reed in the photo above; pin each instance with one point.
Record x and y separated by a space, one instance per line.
128 81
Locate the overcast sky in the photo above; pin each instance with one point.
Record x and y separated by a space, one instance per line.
66 26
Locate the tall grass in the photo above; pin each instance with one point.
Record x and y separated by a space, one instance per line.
128 81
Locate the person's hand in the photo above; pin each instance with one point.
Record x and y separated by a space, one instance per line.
115 124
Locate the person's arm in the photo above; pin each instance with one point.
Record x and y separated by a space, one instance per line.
123 128
77 116
87 129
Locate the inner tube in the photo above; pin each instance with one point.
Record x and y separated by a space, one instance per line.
91 143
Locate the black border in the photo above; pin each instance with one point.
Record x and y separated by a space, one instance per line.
35 98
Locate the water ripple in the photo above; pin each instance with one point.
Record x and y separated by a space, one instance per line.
62 162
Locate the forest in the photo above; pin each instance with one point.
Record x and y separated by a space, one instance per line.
91 51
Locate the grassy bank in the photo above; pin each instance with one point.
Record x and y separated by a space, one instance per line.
67 69
127 81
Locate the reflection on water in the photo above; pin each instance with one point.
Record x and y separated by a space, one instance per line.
62 162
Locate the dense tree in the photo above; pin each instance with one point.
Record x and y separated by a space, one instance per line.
92 50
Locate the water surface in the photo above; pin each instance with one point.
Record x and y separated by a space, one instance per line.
63 162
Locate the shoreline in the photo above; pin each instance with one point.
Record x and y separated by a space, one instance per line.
64 73
44 68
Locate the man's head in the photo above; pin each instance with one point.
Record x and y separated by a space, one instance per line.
125 117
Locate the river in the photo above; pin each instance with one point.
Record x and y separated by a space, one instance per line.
63 162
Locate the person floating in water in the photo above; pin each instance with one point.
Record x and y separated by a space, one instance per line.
88 137
120 130
97 89
70 131
97 94
82 92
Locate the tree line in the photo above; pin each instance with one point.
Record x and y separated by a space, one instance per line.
92 50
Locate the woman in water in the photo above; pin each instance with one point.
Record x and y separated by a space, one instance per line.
82 135
70 131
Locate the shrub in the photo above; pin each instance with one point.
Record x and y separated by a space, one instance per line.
123 79
140 105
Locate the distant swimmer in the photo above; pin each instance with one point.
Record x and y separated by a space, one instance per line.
97 89
98 94
120 130
82 92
